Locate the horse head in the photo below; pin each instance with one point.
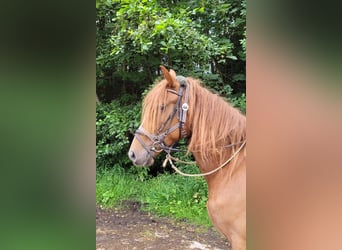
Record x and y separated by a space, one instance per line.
163 119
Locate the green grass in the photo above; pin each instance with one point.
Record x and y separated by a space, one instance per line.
169 195
113 186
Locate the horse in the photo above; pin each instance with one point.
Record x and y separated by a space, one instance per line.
181 107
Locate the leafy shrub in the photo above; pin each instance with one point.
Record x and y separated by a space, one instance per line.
239 102
114 123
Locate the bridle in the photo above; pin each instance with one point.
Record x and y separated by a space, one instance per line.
180 109
158 144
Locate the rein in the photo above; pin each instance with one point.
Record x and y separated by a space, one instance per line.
169 159
158 144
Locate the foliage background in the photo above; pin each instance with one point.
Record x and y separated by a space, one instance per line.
205 39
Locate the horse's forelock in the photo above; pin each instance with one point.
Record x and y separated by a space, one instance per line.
151 103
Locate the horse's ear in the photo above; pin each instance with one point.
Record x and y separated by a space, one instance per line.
173 75
169 76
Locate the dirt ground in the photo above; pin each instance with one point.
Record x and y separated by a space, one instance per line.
130 228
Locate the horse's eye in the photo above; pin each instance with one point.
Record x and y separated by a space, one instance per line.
162 107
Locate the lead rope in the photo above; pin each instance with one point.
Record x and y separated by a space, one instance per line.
169 159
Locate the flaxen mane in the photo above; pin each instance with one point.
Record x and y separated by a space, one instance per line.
214 122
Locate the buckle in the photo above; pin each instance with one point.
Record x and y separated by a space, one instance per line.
156 144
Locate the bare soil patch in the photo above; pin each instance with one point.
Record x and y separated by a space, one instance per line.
130 228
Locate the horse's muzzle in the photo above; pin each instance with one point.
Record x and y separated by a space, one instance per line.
142 159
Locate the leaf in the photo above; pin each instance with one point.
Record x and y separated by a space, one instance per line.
232 57
144 47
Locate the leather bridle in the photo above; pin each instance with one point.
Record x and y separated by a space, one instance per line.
180 109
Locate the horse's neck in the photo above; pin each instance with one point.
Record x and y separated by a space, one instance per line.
207 166
222 176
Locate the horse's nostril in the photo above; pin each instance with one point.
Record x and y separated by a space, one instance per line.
131 155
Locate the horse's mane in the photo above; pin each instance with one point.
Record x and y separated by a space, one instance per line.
214 122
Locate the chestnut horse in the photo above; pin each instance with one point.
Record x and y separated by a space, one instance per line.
178 107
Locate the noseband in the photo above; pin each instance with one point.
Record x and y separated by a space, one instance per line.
180 109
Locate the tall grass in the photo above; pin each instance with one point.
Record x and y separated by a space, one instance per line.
165 195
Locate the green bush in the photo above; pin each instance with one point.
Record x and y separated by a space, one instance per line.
114 123
239 102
